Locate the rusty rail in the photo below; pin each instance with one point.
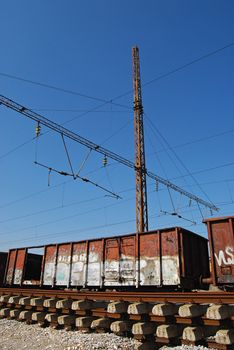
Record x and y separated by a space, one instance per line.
152 297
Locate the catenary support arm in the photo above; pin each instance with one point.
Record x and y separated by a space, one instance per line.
91 145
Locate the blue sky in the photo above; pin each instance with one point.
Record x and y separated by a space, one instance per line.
85 47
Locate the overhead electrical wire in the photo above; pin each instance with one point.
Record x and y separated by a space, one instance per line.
31 195
130 189
76 176
196 60
179 160
17 148
205 170
76 215
91 145
160 77
206 138
43 211
165 175
86 229
67 91
64 206
119 96
110 111
179 68
149 82
65 218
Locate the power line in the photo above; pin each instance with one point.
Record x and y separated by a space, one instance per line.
179 160
197 140
111 101
160 77
205 170
196 60
73 231
16 148
110 111
50 209
77 230
91 228
53 87
97 148
119 96
104 226
179 68
64 218
32 195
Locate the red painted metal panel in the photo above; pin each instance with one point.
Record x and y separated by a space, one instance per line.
15 269
221 238
150 260
128 261
112 260
79 266
94 275
63 265
170 257
49 265
11 267
19 266
119 261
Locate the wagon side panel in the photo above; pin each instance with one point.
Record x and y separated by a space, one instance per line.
150 262
49 265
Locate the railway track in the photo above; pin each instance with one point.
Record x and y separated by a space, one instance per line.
154 318
151 297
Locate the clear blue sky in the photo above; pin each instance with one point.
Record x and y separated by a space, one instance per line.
85 46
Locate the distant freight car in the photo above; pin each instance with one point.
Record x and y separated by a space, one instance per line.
170 258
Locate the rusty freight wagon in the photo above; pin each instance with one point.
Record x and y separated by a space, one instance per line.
172 257
221 240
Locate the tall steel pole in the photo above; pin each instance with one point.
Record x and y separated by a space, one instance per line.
140 166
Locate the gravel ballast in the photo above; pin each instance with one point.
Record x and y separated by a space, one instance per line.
16 335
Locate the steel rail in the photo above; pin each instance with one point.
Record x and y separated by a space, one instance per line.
91 145
152 297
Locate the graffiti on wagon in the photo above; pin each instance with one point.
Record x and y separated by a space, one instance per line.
225 257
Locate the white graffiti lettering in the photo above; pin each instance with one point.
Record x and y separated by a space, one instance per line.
225 257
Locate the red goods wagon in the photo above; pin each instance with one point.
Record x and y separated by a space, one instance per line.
22 267
3 260
221 238
172 257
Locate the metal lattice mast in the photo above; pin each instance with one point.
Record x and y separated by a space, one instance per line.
140 167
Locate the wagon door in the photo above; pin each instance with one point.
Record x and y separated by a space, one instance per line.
63 265
112 262
150 261
49 265
170 258
95 263
10 267
15 268
221 238
127 261
79 264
